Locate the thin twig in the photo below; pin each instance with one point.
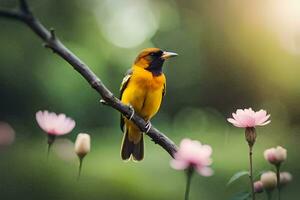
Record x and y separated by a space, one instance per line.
24 7
52 32
24 15
10 14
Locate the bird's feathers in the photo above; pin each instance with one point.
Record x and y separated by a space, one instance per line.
124 84
129 147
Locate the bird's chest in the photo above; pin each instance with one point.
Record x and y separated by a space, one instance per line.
148 83
146 93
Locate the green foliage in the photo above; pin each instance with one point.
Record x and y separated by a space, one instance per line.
241 196
257 176
237 176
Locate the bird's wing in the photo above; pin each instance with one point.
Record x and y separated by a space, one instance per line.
122 88
164 90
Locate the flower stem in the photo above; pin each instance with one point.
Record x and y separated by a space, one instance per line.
48 151
80 167
250 135
189 174
51 139
278 180
269 194
251 173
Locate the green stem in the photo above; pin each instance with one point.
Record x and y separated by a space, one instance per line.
51 139
48 151
251 173
80 167
278 180
189 174
269 194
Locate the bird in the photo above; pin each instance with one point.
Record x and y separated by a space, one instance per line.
143 88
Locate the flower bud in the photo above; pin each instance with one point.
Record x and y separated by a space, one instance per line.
258 187
269 180
250 135
82 144
285 178
275 155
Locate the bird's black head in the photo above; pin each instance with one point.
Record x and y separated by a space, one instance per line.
152 59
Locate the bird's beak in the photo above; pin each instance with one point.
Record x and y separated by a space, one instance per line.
166 55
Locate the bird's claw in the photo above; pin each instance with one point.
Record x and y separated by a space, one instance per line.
132 112
103 101
148 126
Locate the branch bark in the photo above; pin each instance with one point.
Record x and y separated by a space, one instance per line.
24 15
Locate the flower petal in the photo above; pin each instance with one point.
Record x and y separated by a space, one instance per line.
204 171
267 122
234 122
192 153
179 165
54 124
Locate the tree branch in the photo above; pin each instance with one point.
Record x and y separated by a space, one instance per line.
10 14
51 41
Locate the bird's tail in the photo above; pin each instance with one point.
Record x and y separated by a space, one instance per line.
132 144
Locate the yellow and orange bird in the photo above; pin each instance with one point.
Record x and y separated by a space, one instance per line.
143 88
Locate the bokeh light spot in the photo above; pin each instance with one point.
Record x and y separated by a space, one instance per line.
126 24
64 149
7 134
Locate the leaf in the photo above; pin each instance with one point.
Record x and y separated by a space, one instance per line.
241 196
259 174
237 176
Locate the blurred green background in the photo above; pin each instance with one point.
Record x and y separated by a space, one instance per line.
233 54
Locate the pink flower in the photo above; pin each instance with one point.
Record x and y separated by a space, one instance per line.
275 155
258 187
285 178
192 153
54 124
269 180
248 118
7 134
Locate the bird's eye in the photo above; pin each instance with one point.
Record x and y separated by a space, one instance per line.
152 54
